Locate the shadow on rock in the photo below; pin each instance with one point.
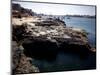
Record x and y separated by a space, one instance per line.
41 49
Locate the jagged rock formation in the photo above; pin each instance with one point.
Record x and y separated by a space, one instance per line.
19 11
21 63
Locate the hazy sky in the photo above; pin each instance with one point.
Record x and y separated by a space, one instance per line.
58 9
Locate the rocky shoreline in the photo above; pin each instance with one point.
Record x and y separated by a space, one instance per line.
20 63
40 40
35 37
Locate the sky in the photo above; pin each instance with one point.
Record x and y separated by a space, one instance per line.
58 9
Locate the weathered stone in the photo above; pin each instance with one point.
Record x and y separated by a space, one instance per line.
58 34
21 63
25 66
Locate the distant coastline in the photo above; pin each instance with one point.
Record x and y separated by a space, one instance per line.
87 16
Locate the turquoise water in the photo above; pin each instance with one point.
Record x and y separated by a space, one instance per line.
66 61
88 24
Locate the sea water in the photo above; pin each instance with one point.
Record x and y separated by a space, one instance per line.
87 24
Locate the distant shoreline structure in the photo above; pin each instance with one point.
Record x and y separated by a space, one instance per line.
87 16
69 15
